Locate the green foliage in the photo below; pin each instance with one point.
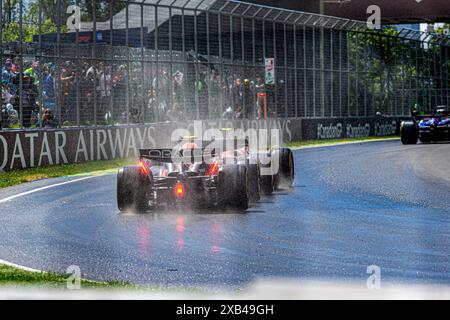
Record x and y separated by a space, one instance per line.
385 66
51 18
10 276
11 32
440 30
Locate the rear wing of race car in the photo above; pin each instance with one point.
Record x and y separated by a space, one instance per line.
159 155
196 154
168 155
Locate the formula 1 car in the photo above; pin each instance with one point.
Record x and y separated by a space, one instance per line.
159 182
426 128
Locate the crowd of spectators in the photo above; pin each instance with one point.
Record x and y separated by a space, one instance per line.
65 94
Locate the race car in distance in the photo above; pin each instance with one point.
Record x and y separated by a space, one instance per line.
159 182
426 128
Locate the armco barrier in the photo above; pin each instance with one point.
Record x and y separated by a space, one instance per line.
35 148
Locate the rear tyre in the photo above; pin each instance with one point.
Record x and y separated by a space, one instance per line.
253 182
409 132
267 184
133 189
123 197
233 187
286 172
276 176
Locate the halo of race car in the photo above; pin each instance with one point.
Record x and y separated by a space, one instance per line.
232 179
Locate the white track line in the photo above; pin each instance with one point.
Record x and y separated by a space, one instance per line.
18 266
44 188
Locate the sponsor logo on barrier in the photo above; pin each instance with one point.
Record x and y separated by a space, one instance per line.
385 129
31 149
329 132
358 131
25 149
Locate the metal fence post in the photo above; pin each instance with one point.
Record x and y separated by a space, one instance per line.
21 63
285 73
144 93
295 70
331 74
305 101
111 56
170 97
41 65
314 69
94 58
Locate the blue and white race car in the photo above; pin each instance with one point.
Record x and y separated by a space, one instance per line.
426 128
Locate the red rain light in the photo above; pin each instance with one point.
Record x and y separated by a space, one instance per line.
180 191
144 168
214 169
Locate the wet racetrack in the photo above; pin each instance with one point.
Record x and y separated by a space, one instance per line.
378 203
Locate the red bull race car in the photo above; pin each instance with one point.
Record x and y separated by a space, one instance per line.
426 127
202 177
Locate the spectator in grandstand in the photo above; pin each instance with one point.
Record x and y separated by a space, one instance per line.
6 92
15 68
151 105
67 79
215 92
10 116
238 113
260 89
178 87
33 72
48 88
6 105
202 92
87 82
248 97
228 114
119 91
48 120
237 94
163 89
8 75
104 87
25 100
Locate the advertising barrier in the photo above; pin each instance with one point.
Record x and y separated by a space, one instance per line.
36 148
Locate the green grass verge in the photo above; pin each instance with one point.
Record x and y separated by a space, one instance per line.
11 276
11 178
330 142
